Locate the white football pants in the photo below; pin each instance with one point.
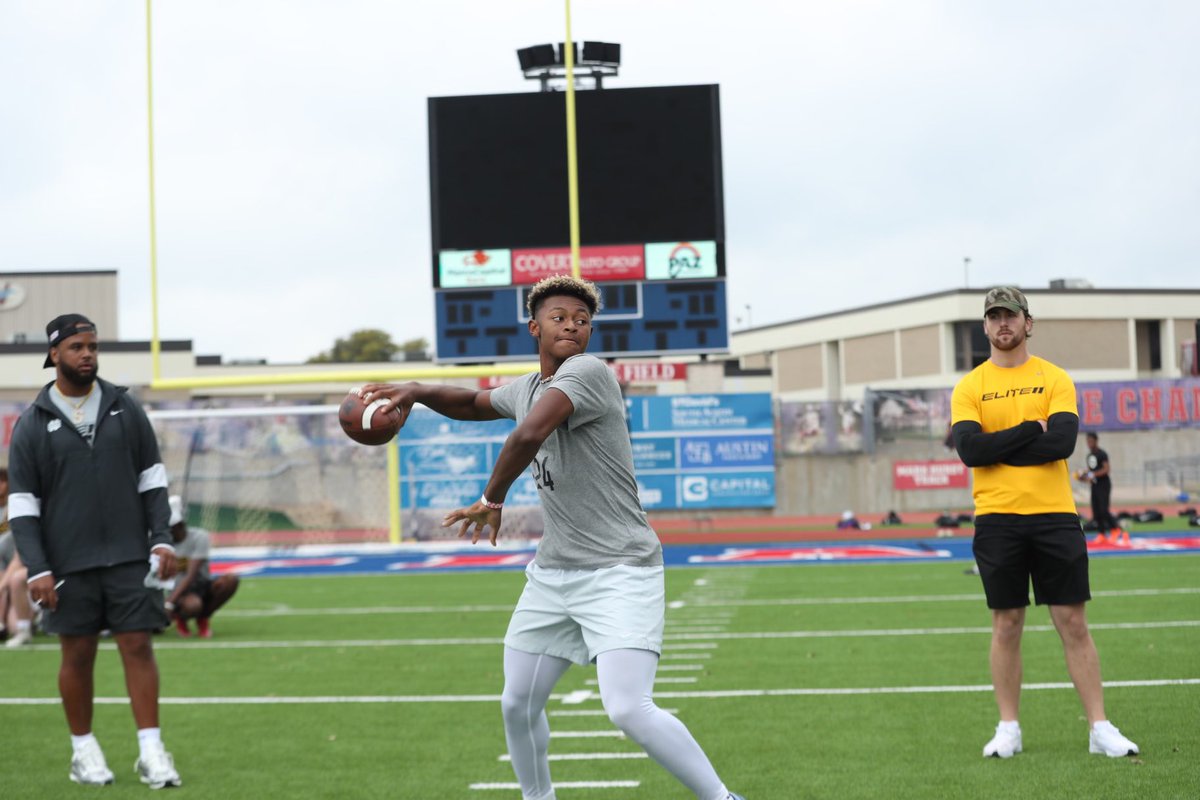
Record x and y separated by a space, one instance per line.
626 680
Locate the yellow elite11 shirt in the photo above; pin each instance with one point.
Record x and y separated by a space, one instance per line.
999 398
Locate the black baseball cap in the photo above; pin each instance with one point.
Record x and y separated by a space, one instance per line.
64 327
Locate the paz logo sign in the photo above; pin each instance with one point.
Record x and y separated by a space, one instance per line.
670 261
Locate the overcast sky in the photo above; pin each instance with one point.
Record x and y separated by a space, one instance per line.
868 148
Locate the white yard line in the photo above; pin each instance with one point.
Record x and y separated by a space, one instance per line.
560 785
586 757
675 641
708 601
868 633
495 698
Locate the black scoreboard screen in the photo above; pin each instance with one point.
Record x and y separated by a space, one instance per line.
651 217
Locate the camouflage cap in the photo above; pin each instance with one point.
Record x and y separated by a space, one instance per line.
1009 297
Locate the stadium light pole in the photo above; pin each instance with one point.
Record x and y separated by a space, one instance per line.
966 272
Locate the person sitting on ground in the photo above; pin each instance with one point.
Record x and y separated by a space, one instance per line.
16 612
848 521
196 594
20 615
892 518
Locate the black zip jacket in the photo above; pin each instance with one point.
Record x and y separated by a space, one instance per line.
73 506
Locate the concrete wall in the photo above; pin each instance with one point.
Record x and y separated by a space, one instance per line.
863 483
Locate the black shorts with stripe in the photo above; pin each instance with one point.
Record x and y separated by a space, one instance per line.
1048 549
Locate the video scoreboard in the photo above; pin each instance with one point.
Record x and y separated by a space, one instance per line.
651 218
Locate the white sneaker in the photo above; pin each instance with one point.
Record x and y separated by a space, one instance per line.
156 767
19 639
1005 744
89 767
1105 738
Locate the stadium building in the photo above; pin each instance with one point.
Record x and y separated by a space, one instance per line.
854 393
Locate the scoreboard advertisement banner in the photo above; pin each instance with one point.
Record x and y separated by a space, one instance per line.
596 264
689 451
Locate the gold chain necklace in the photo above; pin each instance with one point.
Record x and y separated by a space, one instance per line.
76 407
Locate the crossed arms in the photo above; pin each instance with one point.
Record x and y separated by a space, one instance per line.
1023 445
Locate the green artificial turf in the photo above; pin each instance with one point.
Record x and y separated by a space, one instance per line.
894 639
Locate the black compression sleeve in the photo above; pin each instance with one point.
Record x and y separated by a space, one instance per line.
1057 443
979 449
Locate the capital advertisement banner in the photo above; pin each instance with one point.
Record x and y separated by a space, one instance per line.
704 450
689 451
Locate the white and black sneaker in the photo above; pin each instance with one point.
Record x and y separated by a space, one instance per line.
156 767
1105 738
88 766
1006 743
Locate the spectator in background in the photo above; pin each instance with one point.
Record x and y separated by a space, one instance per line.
196 595
1097 476
848 521
16 612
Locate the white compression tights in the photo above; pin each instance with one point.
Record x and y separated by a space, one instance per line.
626 680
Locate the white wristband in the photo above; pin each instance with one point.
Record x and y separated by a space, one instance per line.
489 504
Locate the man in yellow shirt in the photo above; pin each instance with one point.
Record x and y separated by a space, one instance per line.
1015 422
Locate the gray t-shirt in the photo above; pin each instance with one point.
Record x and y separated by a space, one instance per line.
195 545
584 471
81 413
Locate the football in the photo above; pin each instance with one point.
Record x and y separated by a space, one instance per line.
365 423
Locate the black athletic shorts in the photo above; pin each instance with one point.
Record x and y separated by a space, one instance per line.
1010 549
202 588
106 598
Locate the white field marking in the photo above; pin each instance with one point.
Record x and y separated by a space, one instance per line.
680 667
707 600
676 604
304 643
597 712
495 698
684 655
676 641
700 582
561 785
922 598
694 628
585 757
577 697
987 687
587 734
1095 626
657 680
690 646
287 611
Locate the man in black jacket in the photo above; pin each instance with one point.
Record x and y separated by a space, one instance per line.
88 508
